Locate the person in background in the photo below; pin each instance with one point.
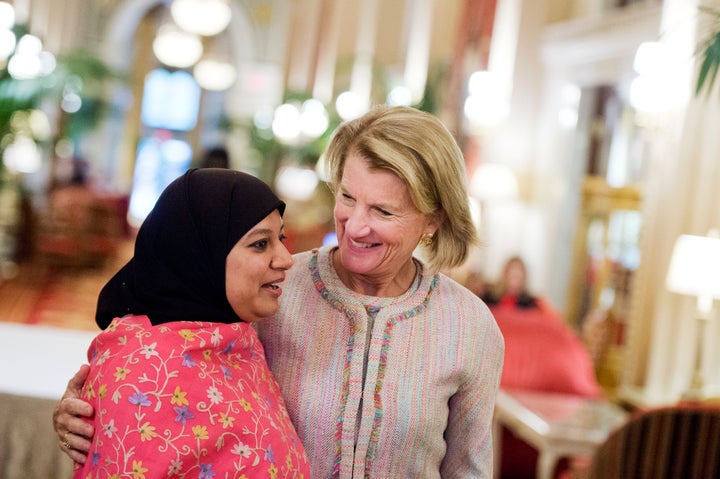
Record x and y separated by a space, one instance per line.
542 353
511 289
511 292
217 157
178 379
388 367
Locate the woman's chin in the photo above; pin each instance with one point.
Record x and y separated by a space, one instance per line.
259 315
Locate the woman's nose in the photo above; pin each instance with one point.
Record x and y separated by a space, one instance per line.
283 258
356 223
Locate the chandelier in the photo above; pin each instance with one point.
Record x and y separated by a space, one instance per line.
179 42
201 17
177 48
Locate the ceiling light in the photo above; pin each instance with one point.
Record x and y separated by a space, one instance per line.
202 17
176 48
214 74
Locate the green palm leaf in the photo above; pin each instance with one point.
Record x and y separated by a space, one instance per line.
710 51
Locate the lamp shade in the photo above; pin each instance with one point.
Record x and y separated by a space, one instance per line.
695 266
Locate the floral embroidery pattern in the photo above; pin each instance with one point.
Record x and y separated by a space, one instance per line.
186 400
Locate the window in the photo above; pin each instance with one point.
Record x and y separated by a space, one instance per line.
169 111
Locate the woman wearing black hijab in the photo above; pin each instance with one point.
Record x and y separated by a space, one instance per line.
178 378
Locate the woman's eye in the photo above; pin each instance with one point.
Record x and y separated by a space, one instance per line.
384 212
262 244
283 237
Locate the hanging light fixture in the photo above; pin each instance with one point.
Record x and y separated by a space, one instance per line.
286 123
484 106
215 71
295 182
201 17
314 118
214 74
7 16
348 105
177 48
30 60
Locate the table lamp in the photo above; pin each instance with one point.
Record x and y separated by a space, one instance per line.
695 271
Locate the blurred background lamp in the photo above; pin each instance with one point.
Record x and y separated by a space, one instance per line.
485 105
695 271
27 62
7 43
201 17
648 58
348 105
176 48
7 16
314 118
263 118
400 96
40 125
494 182
23 155
214 74
296 183
24 67
286 123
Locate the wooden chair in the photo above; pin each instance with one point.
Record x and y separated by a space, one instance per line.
80 228
681 441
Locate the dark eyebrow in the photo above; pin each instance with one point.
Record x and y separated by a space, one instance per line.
260 232
264 231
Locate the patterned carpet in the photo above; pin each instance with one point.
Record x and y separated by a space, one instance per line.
57 296
67 300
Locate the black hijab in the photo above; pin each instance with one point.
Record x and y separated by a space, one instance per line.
178 270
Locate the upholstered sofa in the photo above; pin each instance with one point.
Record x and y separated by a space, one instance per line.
545 354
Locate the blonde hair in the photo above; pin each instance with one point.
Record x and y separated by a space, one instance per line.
419 149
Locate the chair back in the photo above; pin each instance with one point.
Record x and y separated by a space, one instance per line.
681 441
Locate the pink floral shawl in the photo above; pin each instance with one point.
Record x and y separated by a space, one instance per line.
188 400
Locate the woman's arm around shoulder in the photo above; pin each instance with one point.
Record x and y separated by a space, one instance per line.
73 431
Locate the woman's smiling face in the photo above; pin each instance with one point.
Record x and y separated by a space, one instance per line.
377 224
255 267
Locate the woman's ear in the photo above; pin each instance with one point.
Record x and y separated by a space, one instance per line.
435 219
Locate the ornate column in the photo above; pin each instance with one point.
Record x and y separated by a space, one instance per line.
418 46
361 79
329 30
304 46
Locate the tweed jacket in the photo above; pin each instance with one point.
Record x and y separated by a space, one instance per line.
399 387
